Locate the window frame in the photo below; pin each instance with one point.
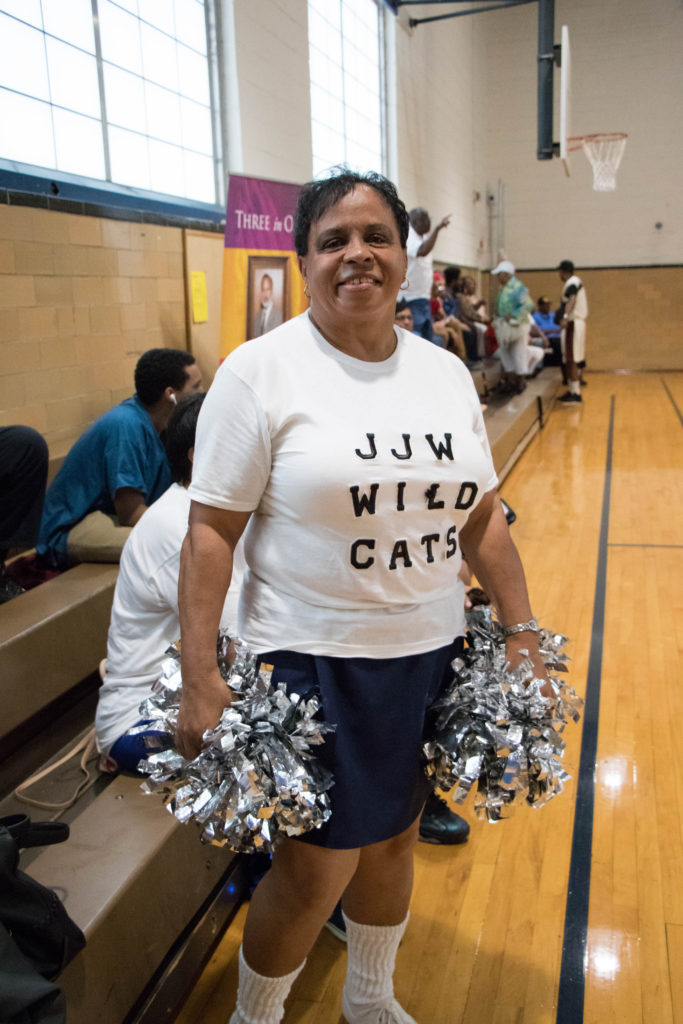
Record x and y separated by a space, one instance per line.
381 12
34 185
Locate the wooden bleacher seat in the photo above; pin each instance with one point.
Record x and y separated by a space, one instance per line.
51 638
150 898
513 421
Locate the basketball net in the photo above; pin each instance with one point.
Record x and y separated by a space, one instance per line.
604 152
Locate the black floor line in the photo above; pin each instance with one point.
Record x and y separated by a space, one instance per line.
616 544
571 992
673 402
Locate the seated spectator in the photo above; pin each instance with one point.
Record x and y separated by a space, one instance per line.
144 615
450 293
473 313
403 316
117 468
23 475
451 297
544 320
445 327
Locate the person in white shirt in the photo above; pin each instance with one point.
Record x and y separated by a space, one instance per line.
355 460
574 311
144 616
420 272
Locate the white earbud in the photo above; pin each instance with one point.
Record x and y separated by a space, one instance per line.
174 399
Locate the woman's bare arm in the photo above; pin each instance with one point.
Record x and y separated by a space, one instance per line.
205 572
492 556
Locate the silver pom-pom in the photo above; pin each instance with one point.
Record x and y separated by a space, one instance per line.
256 778
496 729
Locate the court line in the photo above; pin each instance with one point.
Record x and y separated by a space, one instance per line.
673 401
616 544
571 992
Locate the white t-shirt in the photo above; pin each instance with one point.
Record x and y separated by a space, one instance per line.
575 286
360 476
144 616
420 272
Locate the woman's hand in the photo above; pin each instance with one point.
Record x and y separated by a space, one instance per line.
201 708
525 645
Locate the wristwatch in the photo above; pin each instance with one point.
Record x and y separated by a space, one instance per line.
521 627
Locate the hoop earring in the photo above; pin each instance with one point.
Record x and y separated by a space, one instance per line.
306 291
405 285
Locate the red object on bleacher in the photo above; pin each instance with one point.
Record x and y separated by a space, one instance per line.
28 573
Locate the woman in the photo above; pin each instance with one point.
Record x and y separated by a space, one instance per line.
512 327
356 454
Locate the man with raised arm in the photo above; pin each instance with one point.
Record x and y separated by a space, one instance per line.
420 274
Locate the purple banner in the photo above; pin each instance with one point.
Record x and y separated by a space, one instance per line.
260 214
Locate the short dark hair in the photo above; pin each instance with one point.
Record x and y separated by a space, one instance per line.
180 434
401 306
567 266
317 197
451 275
158 369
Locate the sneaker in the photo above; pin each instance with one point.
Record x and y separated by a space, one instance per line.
510 515
336 923
388 1011
569 398
439 824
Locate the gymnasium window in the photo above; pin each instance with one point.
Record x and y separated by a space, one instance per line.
112 90
345 58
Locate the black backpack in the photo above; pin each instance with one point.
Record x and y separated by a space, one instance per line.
37 936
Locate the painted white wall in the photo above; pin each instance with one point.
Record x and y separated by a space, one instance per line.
627 75
466 118
442 128
440 113
274 95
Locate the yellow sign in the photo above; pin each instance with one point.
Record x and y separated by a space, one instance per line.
200 305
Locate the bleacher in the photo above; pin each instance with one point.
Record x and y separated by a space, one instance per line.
512 421
150 898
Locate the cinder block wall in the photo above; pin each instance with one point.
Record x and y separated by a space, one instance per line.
635 314
80 299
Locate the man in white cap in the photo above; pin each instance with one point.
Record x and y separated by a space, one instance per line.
512 325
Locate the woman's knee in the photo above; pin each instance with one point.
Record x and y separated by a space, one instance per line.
397 848
312 876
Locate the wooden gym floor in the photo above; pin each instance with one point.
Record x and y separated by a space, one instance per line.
572 913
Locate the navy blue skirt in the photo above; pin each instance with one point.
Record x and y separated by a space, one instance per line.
380 710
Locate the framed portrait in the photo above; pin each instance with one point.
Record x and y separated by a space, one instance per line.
267 294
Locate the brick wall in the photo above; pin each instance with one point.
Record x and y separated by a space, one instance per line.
635 314
80 299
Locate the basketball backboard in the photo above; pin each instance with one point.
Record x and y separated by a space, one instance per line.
565 98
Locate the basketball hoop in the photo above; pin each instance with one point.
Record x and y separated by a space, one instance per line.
604 151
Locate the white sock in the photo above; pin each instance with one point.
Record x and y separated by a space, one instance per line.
369 988
261 1000
575 387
